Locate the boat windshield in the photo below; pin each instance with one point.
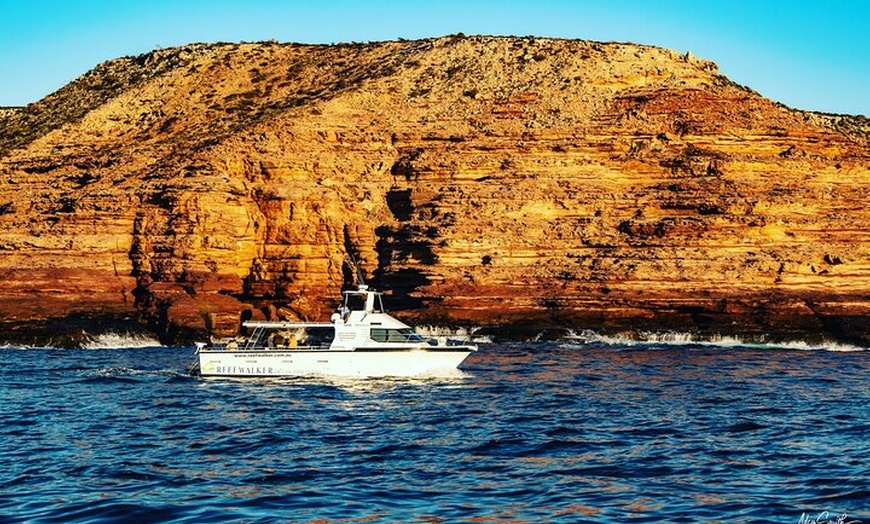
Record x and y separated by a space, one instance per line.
395 335
354 302
363 301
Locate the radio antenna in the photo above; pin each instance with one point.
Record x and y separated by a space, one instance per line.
360 276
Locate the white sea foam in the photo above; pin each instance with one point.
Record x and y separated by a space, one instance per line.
113 340
109 340
676 338
452 333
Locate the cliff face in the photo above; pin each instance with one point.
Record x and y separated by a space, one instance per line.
493 181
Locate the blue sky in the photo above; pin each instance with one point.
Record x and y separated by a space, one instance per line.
808 55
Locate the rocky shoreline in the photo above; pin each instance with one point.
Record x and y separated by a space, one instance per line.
85 333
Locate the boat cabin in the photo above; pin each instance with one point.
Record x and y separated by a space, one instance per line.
361 323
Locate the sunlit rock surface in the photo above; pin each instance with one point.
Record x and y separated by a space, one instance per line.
519 183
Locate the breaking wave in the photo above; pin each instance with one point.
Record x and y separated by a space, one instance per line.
452 333
675 338
112 340
109 340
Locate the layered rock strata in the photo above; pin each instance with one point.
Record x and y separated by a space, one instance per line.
521 183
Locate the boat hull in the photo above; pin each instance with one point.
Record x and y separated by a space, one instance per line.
369 363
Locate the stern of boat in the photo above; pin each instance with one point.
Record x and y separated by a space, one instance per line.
194 368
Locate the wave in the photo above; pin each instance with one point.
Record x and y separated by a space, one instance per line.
111 340
20 347
453 333
676 338
108 340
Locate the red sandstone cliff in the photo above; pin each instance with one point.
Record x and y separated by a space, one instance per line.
519 182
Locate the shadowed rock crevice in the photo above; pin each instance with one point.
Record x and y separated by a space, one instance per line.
399 202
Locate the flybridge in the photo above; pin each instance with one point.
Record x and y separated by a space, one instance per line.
364 299
360 300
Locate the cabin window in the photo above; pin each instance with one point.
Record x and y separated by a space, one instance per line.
395 335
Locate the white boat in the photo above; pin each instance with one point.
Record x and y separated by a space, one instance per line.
361 340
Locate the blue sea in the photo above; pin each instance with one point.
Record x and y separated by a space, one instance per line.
589 429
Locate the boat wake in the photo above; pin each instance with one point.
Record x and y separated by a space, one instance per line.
674 338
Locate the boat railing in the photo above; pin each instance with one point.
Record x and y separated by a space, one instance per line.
255 337
232 346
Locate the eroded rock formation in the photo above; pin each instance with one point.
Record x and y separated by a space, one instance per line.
516 182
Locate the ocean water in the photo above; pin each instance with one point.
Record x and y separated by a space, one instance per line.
590 429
